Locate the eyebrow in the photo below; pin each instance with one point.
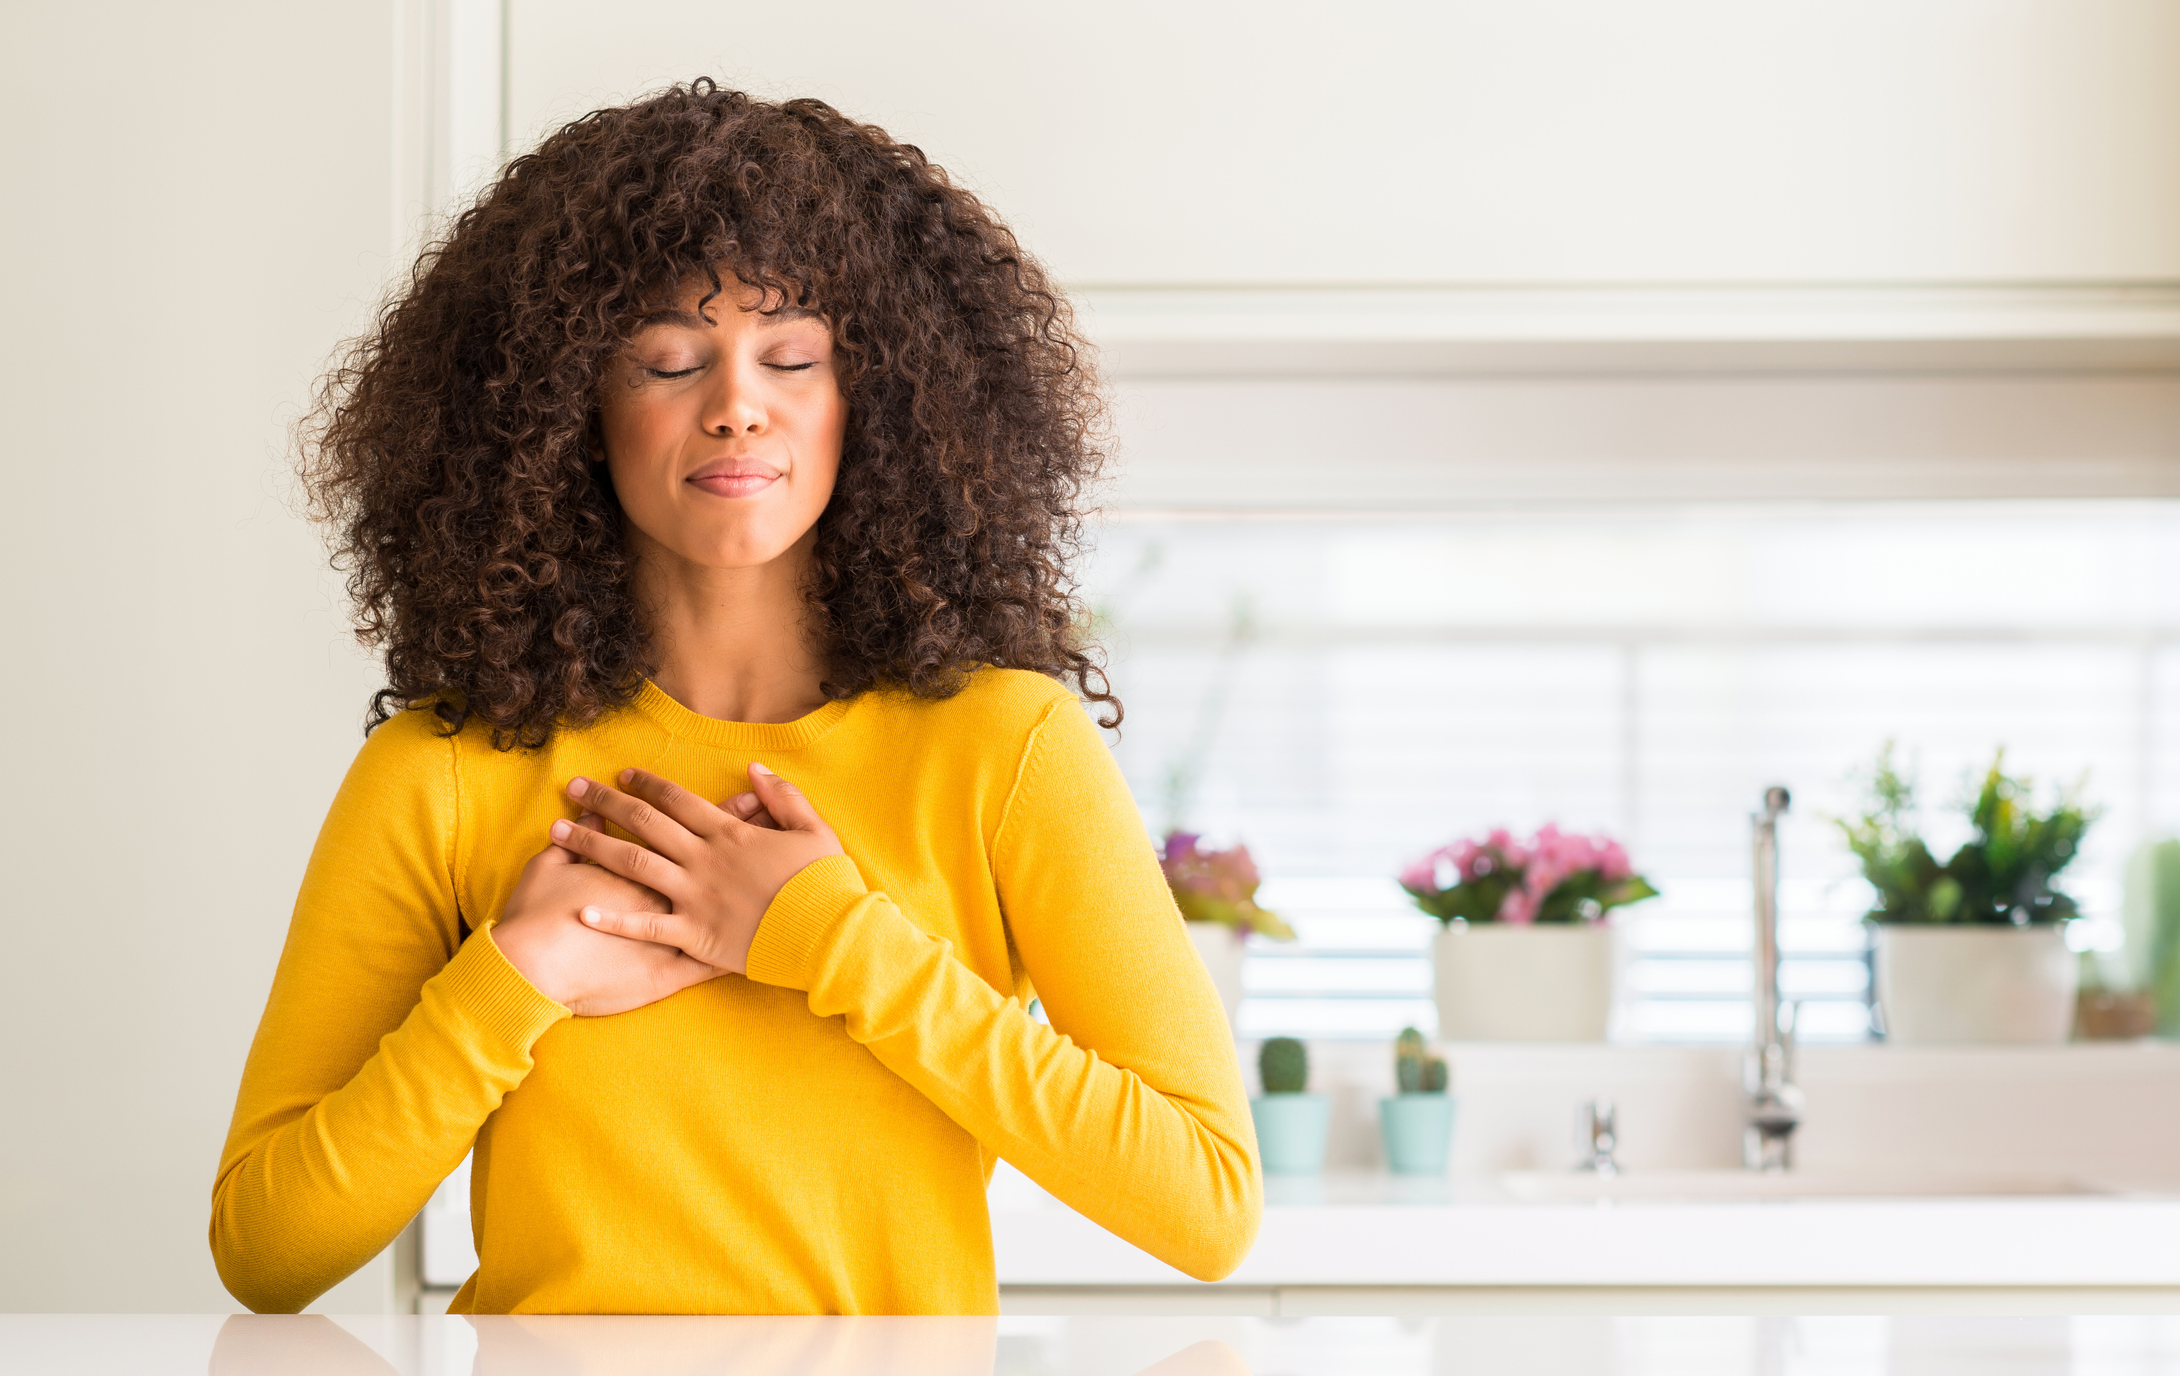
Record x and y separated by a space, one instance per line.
691 320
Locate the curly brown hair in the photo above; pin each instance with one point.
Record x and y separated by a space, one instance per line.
451 448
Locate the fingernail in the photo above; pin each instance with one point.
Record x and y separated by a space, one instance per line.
578 786
588 817
561 829
593 916
756 768
626 775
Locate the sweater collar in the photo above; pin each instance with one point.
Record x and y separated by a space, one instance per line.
680 722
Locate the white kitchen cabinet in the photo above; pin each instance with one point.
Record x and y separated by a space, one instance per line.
1476 141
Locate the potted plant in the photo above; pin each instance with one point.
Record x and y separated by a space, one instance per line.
1216 892
1291 1121
1525 950
1417 1122
1974 949
2151 910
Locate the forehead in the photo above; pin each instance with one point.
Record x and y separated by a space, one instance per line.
705 304
715 314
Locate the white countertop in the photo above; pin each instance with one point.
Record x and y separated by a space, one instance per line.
1373 1229
1556 1345
2052 1116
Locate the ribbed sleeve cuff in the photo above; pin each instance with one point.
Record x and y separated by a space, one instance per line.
489 993
802 917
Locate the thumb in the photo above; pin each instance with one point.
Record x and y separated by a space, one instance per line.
784 801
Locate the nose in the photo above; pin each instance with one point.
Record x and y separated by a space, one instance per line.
736 404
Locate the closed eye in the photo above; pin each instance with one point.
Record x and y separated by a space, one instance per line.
661 373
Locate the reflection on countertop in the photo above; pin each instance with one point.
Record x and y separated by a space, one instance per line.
1532 1345
1734 1229
1723 1186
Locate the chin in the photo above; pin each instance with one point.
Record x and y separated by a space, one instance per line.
740 553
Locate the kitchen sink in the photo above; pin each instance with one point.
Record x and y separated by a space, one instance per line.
1735 1186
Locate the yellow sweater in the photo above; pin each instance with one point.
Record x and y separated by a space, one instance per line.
813 1138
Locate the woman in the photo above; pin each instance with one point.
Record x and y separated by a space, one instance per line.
725 451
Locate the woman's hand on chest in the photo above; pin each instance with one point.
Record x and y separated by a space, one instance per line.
592 972
719 871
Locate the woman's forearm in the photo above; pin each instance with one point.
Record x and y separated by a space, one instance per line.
1129 1106
311 1191
1160 1153
385 1042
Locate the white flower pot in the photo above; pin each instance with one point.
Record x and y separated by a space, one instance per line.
1221 949
1535 982
1939 983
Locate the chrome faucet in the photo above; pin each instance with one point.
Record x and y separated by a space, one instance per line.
1600 1137
1775 1104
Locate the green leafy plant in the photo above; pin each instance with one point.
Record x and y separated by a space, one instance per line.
1415 1069
1284 1065
2001 875
2152 913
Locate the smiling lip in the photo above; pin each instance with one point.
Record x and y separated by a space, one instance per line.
735 479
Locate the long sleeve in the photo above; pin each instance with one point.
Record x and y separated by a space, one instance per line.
383 1046
1130 1106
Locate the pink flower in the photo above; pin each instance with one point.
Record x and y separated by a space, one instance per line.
1502 841
1228 876
1422 875
1519 906
1534 870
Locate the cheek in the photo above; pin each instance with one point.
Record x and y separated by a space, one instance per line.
631 428
639 434
825 429
634 465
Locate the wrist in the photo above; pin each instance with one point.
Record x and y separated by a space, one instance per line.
496 1001
801 921
518 947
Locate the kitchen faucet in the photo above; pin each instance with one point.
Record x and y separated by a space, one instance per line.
1775 1104
1600 1136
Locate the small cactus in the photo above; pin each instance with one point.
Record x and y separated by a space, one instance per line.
1284 1063
1415 1070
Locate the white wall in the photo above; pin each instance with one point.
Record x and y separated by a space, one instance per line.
1407 443
204 199
1382 141
2098 1112
201 202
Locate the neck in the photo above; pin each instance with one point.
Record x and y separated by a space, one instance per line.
731 643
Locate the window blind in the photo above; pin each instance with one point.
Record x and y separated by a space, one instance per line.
1343 693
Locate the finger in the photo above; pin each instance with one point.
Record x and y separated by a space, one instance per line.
626 859
784 801
666 929
695 813
591 821
676 973
685 970
746 808
557 854
636 817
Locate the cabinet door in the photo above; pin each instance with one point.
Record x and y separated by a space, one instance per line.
1474 141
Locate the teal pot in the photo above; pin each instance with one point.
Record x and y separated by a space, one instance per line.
1418 1131
1291 1132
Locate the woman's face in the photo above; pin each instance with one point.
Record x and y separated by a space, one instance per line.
723 428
